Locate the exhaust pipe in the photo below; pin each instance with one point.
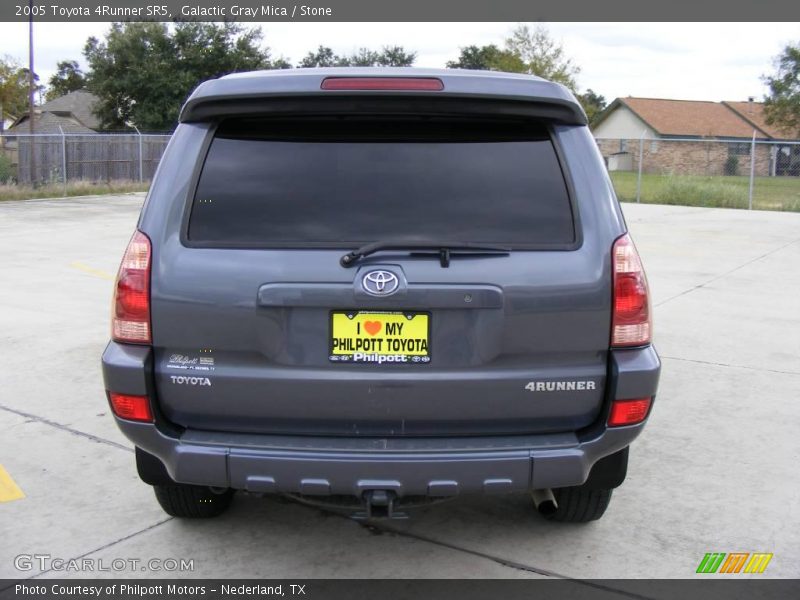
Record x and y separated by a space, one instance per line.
544 501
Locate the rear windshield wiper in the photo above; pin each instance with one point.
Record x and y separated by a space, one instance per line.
443 249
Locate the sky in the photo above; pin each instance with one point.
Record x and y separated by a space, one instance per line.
690 61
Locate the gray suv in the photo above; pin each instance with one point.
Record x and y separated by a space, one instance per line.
377 287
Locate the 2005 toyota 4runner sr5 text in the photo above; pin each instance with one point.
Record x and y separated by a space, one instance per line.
377 287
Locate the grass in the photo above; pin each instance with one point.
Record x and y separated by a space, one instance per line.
77 188
769 193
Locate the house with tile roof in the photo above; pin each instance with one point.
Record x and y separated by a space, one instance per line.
691 137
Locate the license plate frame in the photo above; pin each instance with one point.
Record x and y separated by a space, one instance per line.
391 349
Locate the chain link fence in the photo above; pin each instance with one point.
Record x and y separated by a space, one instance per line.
755 174
61 159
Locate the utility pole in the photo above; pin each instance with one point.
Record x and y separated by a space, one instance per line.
31 90
752 171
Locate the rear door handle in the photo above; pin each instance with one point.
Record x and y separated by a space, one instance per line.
414 296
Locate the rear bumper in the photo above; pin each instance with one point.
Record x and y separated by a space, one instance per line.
409 466
323 466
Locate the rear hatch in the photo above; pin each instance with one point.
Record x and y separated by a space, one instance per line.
485 313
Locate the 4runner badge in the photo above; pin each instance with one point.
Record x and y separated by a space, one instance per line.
190 380
560 386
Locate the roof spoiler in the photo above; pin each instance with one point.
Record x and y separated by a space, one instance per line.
216 107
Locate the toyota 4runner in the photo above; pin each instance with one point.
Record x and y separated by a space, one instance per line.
381 286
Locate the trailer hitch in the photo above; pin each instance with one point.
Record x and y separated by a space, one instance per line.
379 504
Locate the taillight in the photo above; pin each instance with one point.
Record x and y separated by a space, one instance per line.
628 412
132 408
130 321
630 324
428 84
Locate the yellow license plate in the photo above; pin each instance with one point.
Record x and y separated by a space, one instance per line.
380 337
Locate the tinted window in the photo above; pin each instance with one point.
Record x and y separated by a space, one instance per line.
323 183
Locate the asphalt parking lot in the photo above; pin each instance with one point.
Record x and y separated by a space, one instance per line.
716 469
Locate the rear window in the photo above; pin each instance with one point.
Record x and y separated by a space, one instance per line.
345 182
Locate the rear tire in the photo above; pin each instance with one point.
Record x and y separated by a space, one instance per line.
192 501
579 504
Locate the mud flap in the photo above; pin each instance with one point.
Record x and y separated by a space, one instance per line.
608 472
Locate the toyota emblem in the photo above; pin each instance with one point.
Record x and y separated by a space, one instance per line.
380 283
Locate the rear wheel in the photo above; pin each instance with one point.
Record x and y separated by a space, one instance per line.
579 504
193 501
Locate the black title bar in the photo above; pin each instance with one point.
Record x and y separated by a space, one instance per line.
433 589
407 10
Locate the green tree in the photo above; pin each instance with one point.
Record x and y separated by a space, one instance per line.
593 103
14 89
323 57
526 50
67 78
364 57
534 52
541 55
395 56
142 72
487 58
782 105
388 56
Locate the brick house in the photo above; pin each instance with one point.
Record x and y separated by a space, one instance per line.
690 137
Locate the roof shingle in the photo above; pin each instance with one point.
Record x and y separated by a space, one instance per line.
691 118
48 122
754 113
79 103
73 112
